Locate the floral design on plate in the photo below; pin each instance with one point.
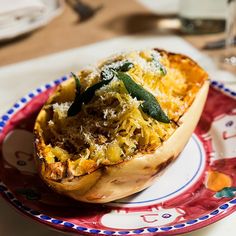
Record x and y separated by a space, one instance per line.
196 190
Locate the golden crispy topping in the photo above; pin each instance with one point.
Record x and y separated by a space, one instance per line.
112 128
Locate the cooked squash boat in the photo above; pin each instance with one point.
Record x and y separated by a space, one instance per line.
108 131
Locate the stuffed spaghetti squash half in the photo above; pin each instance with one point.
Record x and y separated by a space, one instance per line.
109 130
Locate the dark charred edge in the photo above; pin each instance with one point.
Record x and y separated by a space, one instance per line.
163 165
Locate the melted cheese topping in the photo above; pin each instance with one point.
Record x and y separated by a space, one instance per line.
112 128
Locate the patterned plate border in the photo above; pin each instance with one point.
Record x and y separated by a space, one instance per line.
217 214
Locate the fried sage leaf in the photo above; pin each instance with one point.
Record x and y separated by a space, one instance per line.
85 97
108 72
126 66
107 75
77 84
150 104
89 93
72 109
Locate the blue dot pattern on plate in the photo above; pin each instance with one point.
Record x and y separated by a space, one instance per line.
109 232
166 228
5 117
179 226
123 232
190 222
214 212
94 231
4 191
81 228
233 201
152 230
225 206
214 83
233 93
56 222
203 217
17 105
24 100
31 95
57 81
10 111
221 86
68 224
44 217
138 231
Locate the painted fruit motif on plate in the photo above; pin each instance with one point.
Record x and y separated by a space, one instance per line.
197 189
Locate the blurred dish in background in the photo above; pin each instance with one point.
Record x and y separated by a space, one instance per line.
21 17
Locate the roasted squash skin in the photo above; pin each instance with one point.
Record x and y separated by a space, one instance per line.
111 182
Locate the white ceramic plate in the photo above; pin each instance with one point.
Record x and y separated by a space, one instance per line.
25 25
195 191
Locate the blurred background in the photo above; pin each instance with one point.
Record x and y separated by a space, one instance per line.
30 29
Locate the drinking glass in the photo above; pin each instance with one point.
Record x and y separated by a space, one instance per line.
202 17
229 56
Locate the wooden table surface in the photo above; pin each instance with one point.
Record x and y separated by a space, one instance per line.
116 18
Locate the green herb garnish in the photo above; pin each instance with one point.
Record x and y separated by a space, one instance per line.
77 84
89 93
72 109
85 97
107 75
163 70
126 66
150 104
108 72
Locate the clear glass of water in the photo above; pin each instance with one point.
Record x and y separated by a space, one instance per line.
212 16
202 17
229 57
